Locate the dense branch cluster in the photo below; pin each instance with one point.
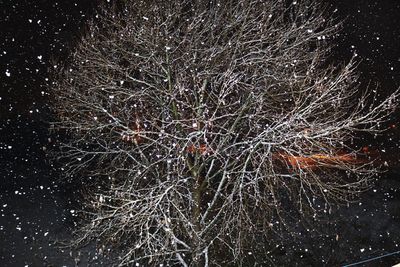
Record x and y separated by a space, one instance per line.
195 115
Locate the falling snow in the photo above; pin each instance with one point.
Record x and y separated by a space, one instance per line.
36 208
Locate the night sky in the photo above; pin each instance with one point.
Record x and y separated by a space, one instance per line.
35 206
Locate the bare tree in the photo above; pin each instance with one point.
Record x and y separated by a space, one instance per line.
202 119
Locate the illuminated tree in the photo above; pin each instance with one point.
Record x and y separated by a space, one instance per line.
202 120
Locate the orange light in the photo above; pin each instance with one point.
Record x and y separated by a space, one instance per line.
316 160
202 149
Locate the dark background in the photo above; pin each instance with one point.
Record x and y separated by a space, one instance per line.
35 206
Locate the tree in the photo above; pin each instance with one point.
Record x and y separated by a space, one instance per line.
201 121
